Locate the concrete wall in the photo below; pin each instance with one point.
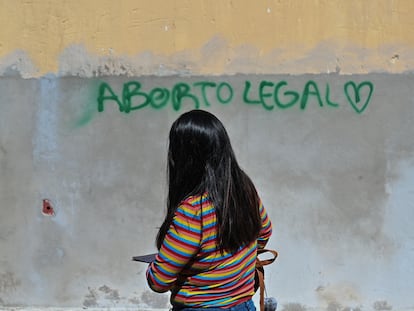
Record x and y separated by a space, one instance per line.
317 97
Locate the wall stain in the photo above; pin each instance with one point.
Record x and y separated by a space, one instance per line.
293 307
134 300
3 150
111 294
335 306
3 158
155 300
382 305
337 296
91 298
8 282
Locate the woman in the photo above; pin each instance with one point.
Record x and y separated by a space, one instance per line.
214 224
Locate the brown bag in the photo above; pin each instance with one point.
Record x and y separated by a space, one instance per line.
259 276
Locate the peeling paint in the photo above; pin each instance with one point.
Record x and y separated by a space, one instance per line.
217 57
18 64
326 57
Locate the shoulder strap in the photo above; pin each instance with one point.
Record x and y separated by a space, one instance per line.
260 272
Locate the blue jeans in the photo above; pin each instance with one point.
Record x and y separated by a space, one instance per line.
244 306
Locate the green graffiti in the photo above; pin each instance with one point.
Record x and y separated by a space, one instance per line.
229 93
87 116
292 94
262 94
135 98
159 97
266 94
103 89
132 90
180 92
264 98
327 97
203 85
246 98
311 88
357 96
87 113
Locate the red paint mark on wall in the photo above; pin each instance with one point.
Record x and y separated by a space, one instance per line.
48 208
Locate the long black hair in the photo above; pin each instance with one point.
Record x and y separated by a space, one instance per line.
201 160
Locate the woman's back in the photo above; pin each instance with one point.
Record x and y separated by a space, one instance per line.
214 223
208 277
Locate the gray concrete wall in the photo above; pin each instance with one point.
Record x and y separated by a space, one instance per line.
332 157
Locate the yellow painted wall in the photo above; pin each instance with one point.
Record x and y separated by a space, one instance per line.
285 30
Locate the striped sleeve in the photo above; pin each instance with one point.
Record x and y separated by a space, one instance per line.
266 230
180 244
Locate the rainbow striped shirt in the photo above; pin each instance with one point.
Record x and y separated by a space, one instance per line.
190 266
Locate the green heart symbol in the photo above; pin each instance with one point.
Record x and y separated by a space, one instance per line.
350 85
